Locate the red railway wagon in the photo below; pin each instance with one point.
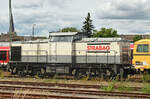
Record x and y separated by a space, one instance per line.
131 46
4 55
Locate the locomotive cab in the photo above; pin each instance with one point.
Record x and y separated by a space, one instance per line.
62 46
66 36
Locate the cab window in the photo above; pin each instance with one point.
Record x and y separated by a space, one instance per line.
61 38
143 48
3 55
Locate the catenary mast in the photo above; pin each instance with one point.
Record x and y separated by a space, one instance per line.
11 21
11 27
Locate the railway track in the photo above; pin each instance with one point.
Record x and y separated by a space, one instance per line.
78 91
62 91
59 85
10 95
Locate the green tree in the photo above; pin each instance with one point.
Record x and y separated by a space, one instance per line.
69 29
105 33
87 26
137 37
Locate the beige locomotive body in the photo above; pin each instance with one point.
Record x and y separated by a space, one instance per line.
84 52
68 52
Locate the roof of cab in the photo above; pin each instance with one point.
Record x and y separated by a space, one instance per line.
114 39
62 33
144 40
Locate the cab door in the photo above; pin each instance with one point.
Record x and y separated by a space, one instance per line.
16 53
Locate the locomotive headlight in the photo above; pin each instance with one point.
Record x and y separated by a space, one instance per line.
138 63
145 63
141 63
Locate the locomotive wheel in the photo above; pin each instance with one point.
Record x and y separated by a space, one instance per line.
43 71
39 74
103 76
78 75
21 74
113 76
125 74
50 75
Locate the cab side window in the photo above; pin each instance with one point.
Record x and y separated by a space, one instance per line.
3 55
143 48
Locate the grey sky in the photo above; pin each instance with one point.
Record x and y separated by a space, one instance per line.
126 16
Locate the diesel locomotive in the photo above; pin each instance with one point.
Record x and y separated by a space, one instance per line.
71 53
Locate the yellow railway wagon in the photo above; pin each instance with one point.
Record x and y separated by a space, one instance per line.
141 55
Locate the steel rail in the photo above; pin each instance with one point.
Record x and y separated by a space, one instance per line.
60 85
11 95
77 91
